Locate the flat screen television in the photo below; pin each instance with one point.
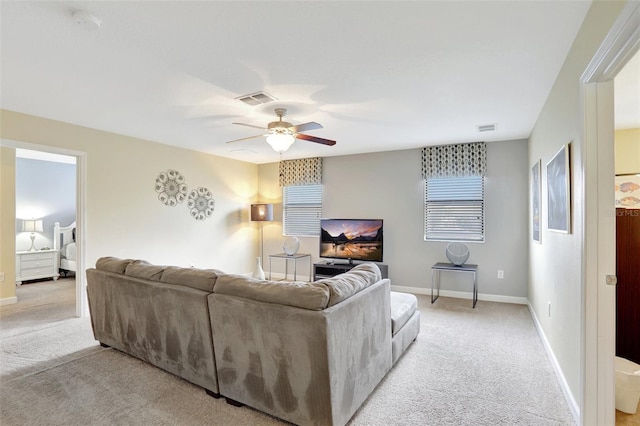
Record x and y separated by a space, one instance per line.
351 239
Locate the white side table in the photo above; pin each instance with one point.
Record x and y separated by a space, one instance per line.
293 257
34 265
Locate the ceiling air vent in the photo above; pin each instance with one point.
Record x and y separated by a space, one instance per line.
258 98
486 127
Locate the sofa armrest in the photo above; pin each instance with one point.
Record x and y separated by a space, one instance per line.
164 324
301 365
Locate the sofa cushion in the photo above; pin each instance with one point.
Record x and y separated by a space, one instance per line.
145 270
201 279
303 295
403 306
351 282
113 264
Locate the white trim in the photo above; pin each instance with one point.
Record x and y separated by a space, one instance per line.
598 239
82 305
462 295
618 47
45 156
8 300
571 401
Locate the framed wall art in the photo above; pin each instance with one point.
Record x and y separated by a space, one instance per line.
559 192
628 191
536 190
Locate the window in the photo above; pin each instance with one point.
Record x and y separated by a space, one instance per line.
454 209
301 210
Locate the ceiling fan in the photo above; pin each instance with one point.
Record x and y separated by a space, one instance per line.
281 135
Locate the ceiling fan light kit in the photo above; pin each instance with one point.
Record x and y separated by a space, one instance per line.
280 142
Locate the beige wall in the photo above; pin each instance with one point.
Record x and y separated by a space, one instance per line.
389 185
124 217
555 266
627 151
7 225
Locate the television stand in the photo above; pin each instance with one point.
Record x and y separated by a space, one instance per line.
328 269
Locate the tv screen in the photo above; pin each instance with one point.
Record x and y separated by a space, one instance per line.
351 239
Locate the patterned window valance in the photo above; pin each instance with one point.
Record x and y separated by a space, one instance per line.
307 171
465 159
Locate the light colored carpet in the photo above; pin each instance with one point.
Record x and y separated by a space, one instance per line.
40 331
483 366
40 304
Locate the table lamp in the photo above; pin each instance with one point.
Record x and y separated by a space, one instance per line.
33 226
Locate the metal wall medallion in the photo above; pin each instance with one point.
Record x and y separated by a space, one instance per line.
201 203
171 188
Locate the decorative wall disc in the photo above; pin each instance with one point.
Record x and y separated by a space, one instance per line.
201 203
171 188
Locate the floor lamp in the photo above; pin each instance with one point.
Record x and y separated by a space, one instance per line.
261 213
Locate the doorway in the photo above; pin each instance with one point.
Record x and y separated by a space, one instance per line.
627 209
598 386
45 186
81 303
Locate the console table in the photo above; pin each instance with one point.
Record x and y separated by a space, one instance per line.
330 269
441 266
288 257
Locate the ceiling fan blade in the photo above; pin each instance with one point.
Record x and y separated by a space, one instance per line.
315 139
244 139
312 125
249 125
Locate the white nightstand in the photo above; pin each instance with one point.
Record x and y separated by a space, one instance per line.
33 265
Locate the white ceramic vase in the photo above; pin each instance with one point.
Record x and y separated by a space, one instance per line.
258 273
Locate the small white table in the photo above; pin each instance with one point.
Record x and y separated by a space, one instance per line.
288 257
34 265
441 266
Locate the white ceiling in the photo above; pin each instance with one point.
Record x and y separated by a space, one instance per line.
377 75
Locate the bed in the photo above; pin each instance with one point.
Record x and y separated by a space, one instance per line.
64 240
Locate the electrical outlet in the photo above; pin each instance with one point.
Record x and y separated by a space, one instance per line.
549 305
500 274
1 276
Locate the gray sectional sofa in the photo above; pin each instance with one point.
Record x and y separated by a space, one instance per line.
308 353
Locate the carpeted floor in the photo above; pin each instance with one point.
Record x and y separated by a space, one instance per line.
482 366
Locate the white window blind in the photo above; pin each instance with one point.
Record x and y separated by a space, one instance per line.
454 209
302 210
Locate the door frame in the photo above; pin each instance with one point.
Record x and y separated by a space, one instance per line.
82 305
598 228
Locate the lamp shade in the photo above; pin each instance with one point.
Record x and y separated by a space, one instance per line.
280 142
261 212
31 225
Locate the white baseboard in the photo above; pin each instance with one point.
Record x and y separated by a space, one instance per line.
463 295
571 401
8 300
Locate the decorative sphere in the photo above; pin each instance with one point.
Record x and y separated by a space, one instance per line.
457 253
291 246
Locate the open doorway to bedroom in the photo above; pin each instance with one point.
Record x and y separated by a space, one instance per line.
46 255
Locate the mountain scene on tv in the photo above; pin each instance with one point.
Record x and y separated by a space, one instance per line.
351 239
